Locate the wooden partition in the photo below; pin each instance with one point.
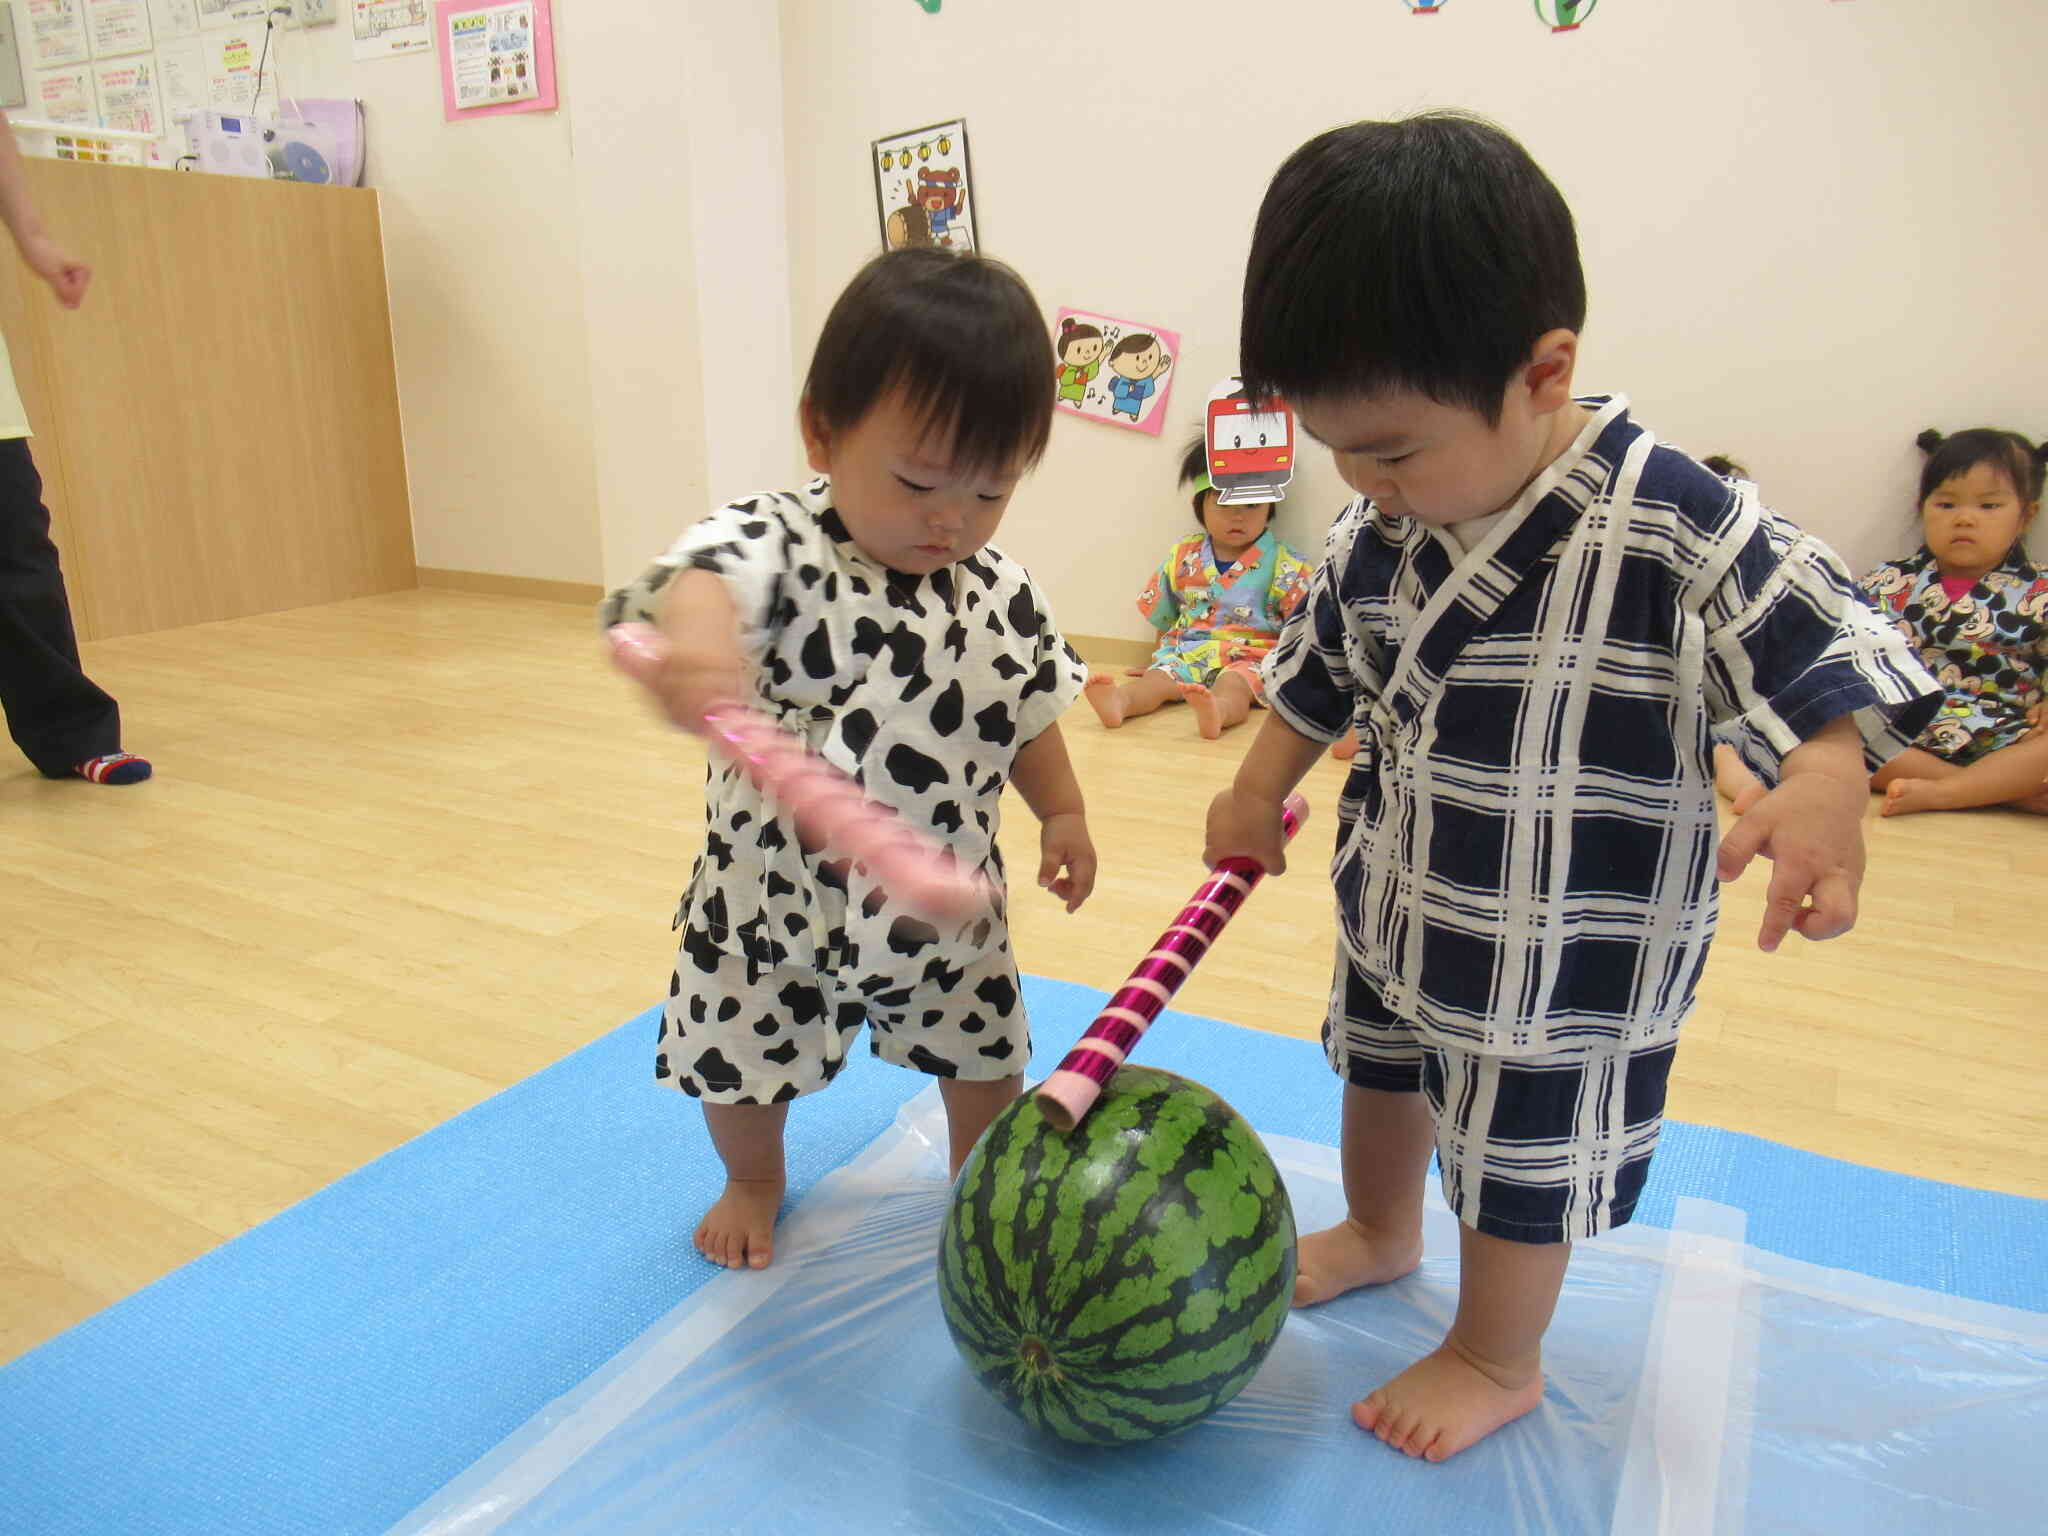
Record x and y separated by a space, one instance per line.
217 426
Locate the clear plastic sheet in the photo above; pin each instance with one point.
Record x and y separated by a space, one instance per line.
1696 1387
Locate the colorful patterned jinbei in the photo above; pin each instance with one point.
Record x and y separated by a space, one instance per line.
1988 648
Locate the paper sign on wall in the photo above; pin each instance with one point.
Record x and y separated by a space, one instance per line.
1114 371
181 68
387 28
56 35
496 57
921 187
232 13
230 58
127 90
63 96
116 28
174 18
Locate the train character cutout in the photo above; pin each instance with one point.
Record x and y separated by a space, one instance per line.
1251 448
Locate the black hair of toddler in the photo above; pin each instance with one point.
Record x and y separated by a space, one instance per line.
1194 466
2021 460
960 336
1427 254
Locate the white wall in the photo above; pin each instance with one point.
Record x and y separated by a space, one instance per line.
1809 228
486 273
590 307
680 202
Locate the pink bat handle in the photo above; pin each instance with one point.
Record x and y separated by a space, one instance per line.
1066 1097
828 806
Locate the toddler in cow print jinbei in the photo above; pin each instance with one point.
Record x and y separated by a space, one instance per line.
868 613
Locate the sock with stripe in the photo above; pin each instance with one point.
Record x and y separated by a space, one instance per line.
114 768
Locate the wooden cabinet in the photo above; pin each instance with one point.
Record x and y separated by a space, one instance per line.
217 426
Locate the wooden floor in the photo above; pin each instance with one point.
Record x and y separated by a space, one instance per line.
404 851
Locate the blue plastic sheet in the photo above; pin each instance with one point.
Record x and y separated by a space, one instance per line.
1694 1385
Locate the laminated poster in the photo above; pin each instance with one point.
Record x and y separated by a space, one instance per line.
182 68
64 96
387 28
56 35
1114 371
116 28
127 90
174 18
495 58
230 58
232 13
921 187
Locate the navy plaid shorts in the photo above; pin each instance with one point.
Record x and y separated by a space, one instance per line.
1535 1149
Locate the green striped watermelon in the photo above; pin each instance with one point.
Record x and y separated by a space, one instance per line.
1119 1282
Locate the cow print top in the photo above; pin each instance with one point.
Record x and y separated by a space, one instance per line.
923 688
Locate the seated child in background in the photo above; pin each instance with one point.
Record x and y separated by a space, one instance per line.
1976 611
1218 601
1533 614
869 614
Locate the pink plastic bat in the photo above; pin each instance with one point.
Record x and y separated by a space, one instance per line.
1066 1097
829 808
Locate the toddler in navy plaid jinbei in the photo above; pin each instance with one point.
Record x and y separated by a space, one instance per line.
1534 616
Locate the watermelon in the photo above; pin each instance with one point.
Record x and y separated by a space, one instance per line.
1117 1283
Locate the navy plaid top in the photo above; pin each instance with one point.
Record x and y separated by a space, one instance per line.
1526 841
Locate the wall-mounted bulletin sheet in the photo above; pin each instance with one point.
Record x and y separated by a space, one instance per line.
387 28
174 18
56 33
182 69
64 96
117 28
232 13
495 57
230 57
128 96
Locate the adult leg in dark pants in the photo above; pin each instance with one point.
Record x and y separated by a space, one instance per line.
62 721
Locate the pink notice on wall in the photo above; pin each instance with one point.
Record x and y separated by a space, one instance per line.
1114 371
495 57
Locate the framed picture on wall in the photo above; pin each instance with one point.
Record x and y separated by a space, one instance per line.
921 187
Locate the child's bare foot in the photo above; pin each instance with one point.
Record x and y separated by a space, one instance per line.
2037 802
1105 698
1208 718
1345 747
1344 1257
739 1230
1444 1402
1902 797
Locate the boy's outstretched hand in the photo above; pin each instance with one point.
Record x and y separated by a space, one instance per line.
1811 829
1246 826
